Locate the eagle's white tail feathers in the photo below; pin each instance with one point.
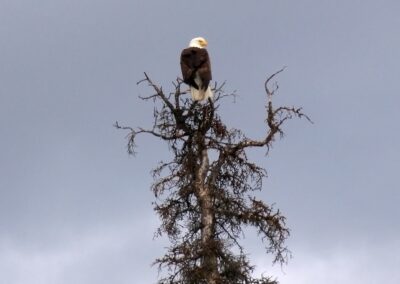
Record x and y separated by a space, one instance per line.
200 95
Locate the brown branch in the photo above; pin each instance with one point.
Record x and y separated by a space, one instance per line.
267 90
159 91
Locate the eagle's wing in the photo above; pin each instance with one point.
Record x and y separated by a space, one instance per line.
188 67
204 70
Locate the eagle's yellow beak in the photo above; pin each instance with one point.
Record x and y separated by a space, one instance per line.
203 43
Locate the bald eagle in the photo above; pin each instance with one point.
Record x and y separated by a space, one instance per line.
196 69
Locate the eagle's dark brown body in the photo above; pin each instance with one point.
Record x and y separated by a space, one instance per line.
196 67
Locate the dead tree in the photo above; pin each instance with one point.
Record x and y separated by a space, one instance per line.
205 203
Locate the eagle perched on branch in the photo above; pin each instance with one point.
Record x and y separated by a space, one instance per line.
196 69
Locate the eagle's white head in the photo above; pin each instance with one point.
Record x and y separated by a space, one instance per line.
199 42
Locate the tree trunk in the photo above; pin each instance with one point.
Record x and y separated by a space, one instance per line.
209 261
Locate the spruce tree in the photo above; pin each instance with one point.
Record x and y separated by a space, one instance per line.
204 202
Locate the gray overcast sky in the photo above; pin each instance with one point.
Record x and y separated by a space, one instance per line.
75 208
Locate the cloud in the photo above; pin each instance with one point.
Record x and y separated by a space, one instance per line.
103 255
366 264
